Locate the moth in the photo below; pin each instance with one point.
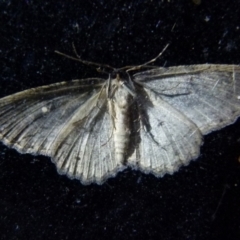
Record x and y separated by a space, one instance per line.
153 120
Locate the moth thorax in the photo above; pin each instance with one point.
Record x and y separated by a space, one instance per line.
122 98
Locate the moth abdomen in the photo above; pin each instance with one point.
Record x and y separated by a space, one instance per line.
121 118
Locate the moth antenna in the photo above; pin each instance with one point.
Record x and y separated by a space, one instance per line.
75 50
158 56
146 64
89 63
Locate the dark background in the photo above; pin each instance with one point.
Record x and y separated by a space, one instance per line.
201 201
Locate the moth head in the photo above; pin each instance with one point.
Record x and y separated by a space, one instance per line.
124 81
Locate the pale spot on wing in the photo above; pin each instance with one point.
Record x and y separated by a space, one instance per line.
45 109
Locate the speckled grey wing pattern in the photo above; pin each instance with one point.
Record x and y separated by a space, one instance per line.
179 105
168 139
207 94
67 121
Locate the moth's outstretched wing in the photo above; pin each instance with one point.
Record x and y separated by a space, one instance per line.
209 95
67 121
167 139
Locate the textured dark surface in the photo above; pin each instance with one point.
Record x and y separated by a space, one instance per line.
201 201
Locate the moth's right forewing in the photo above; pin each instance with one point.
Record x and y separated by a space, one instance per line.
67 121
29 118
207 94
